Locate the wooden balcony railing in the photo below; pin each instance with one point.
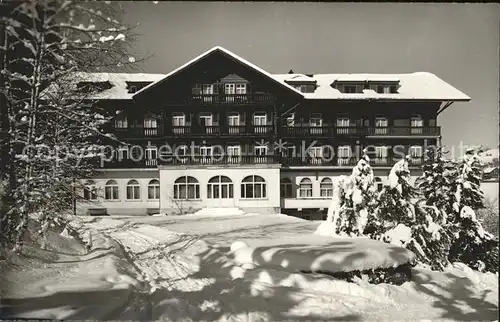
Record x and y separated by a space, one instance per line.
218 159
403 131
232 99
286 131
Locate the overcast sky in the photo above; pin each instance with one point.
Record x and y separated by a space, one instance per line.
457 42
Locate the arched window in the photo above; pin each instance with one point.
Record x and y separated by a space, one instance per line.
378 184
186 188
220 187
305 188
154 189
133 190
253 187
286 188
90 190
326 188
111 190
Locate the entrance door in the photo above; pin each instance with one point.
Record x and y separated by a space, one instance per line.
220 192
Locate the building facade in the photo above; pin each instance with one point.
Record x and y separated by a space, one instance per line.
220 132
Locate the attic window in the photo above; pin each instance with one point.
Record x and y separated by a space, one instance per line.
350 88
305 88
133 87
385 88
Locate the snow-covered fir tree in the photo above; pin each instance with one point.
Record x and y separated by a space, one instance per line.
357 199
395 202
432 230
472 245
54 129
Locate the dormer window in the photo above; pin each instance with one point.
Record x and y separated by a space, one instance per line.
384 88
305 88
350 88
133 87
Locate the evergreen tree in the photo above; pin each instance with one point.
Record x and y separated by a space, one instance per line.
357 199
472 245
54 128
394 202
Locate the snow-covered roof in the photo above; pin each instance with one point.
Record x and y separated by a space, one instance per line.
413 86
231 54
299 78
118 81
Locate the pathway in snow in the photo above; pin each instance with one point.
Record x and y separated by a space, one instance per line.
191 280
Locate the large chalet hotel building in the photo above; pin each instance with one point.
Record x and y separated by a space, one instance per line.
220 132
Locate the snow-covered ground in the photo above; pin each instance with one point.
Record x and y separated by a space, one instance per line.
237 268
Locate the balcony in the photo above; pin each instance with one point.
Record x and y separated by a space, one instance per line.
237 130
138 132
390 161
233 99
218 159
404 131
345 162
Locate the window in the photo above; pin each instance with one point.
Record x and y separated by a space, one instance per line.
315 120
178 119
229 88
90 190
220 187
352 89
154 189
150 122
233 119
241 88
234 150
196 90
305 88
260 118
133 190
286 188
233 153
290 119
316 154
416 124
305 188
205 119
416 154
382 88
208 89
151 155
381 124
381 154
260 150
121 122
344 154
206 151
253 187
343 121
378 184
326 188
260 122
186 188
111 190
150 126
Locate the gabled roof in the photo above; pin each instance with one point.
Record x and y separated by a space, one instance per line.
227 52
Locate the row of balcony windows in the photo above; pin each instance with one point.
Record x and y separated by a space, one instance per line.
256 159
289 131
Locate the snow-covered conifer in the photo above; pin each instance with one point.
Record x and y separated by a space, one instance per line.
472 245
357 199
